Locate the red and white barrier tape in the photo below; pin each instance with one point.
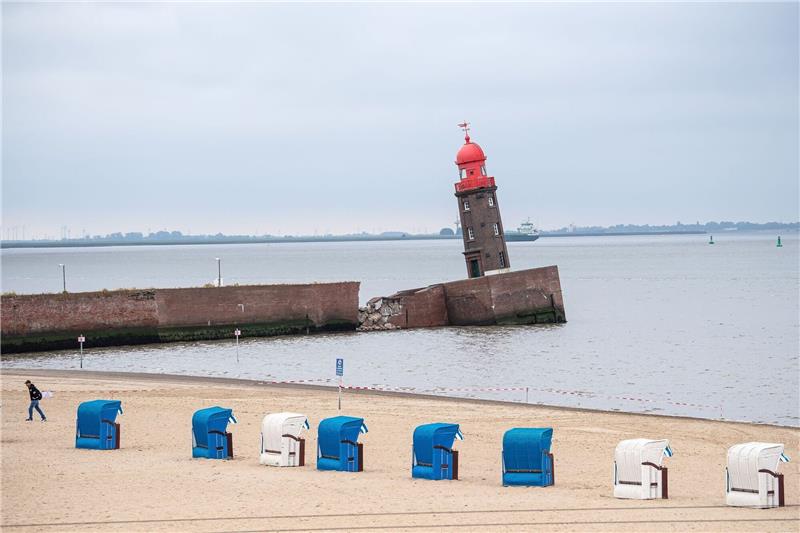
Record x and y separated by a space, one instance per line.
477 389
437 390
292 381
585 394
390 389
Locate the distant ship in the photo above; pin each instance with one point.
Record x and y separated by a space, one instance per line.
525 232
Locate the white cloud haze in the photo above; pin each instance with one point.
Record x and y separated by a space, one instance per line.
278 118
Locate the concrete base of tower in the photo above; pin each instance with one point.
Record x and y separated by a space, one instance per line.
530 296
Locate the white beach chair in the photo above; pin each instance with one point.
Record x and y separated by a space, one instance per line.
752 478
638 473
281 444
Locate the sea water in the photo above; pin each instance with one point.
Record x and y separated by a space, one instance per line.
661 324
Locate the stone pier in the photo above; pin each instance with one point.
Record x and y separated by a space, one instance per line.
530 296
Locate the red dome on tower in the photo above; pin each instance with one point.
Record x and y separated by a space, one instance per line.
470 153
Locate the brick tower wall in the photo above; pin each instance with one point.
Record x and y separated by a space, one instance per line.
481 218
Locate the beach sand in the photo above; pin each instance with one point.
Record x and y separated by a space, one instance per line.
153 484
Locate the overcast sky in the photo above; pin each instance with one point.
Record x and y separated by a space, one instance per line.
277 118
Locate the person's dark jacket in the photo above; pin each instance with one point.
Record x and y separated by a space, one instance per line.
35 394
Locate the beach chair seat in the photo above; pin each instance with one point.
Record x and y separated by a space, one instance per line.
281 444
96 427
529 478
751 475
432 453
638 470
210 438
337 444
526 457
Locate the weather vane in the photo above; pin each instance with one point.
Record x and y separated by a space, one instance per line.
465 126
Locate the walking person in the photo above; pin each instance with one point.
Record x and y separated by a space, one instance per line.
35 397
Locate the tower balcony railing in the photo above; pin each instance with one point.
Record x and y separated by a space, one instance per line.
481 182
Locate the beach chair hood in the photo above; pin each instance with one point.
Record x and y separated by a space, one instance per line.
91 414
275 425
332 431
630 454
524 447
210 419
430 436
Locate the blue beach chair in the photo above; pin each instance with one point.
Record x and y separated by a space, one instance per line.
527 460
210 440
337 444
96 427
433 456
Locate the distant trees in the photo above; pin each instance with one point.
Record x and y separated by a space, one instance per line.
168 237
165 235
710 227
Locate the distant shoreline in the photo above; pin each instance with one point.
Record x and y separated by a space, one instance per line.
85 243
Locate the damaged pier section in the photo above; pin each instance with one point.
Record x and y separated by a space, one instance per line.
530 296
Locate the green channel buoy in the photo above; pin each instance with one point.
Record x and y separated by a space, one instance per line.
779 245
711 240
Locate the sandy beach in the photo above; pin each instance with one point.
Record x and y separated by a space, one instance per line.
152 484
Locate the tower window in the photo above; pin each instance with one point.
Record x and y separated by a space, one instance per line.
474 268
470 234
491 201
461 173
502 260
483 169
496 229
466 205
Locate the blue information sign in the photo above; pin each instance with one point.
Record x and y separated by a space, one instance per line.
340 367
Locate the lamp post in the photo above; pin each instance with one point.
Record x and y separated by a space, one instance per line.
63 277
81 340
237 333
219 272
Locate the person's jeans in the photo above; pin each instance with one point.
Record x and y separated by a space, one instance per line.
35 405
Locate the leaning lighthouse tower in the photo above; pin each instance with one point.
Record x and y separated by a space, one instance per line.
485 249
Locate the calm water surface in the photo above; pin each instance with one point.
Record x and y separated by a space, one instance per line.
655 323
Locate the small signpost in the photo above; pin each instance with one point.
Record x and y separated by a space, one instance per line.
237 333
340 374
81 340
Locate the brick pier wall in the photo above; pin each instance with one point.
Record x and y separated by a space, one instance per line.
320 303
107 318
53 321
83 311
